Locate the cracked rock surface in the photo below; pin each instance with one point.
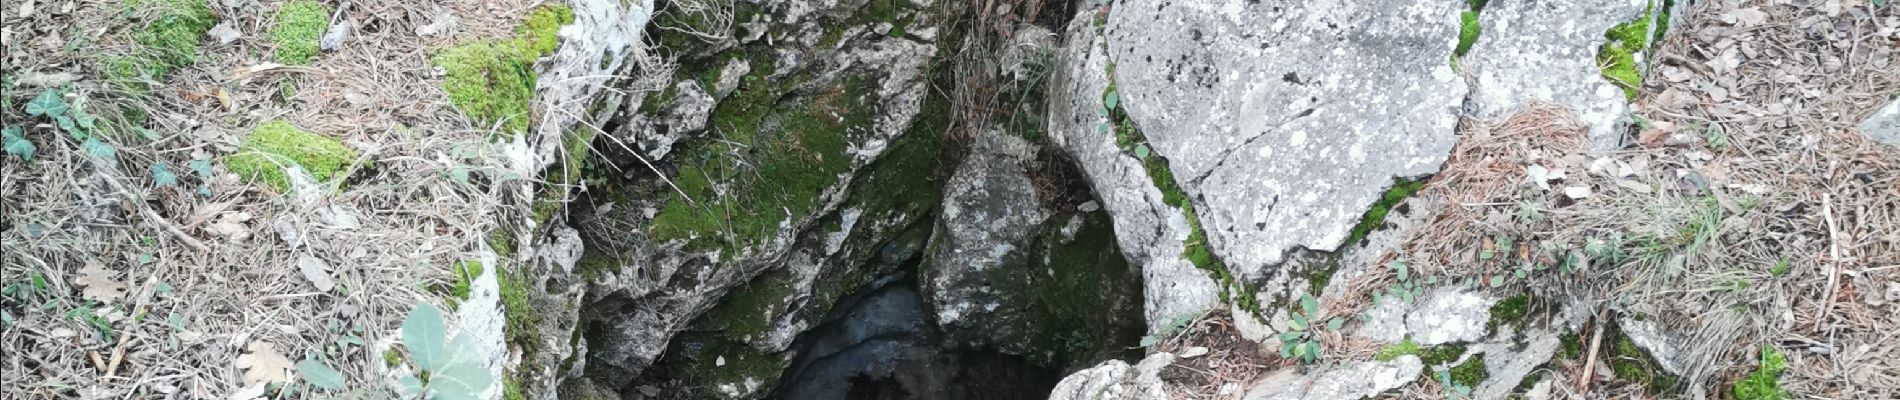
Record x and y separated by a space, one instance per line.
1283 121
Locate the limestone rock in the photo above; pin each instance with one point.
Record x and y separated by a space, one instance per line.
1355 380
804 130
1011 268
1884 125
990 210
1439 316
1547 51
1151 233
1116 380
1509 358
681 116
1284 120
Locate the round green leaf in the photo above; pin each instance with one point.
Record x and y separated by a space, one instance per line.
320 375
423 333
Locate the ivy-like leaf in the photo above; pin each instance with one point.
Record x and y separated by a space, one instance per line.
1311 352
1289 336
1141 152
422 334
202 168
163 177
99 150
1298 322
1497 280
320 375
411 387
1334 324
1112 99
16 143
1307 303
1286 348
1149 341
48 103
1403 270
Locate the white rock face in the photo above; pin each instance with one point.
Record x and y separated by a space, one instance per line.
1116 380
1151 233
1352 381
1545 50
1285 120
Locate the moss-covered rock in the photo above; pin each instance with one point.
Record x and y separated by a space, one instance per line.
493 80
271 149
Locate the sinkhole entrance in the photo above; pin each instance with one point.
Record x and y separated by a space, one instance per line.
881 344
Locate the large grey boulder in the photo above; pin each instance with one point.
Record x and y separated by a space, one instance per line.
1151 233
1284 120
1025 270
1546 50
990 213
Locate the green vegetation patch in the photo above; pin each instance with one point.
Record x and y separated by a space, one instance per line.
1632 364
168 34
1764 383
465 273
1393 351
300 23
492 81
1471 372
276 145
1617 57
523 320
1511 310
709 364
1374 217
774 164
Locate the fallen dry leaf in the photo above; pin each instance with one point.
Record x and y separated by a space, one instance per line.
99 283
231 226
262 364
1745 17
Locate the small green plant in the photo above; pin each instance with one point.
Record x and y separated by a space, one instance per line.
1301 342
1764 383
1405 288
1468 31
451 371
1174 326
300 24
1781 267
1453 388
16 144
1393 351
78 124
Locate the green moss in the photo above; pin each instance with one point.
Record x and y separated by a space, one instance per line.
1088 300
277 144
1468 31
1631 364
1764 383
1442 354
1393 351
502 242
1471 372
1375 217
168 34
1511 310
172 31
299 24
392 357
1572 347
774 165
492 81
511 389
523 320
465 273
1617 57
749 310
541 33
708 364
